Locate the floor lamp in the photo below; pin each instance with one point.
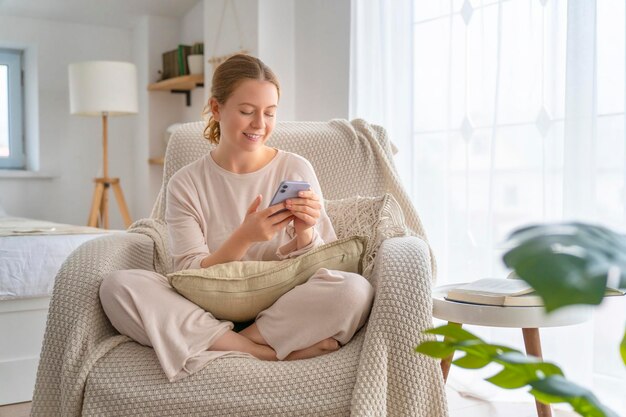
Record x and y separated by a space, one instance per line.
104 88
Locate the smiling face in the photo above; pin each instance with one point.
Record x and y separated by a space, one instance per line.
248 116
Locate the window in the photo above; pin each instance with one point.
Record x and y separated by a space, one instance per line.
517 117
11 124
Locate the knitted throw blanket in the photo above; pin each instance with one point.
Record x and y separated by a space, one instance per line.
156 229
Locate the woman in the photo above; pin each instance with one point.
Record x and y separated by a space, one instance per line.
214 215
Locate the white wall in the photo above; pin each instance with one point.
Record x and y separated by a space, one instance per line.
228 39
192 25
192 31
305 42
276 45
163 108
152 37
322 59
70 147
143 197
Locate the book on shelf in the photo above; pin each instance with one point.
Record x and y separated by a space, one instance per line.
508 292
175 62
170 67
183 52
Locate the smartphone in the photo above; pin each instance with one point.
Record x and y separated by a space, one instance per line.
288 189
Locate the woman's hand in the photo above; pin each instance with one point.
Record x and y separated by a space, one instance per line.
305 209
260 226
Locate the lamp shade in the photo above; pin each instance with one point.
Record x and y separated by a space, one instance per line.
97 87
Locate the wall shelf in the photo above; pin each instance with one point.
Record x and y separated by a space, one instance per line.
179 85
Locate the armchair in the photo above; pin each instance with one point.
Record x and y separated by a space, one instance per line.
87 368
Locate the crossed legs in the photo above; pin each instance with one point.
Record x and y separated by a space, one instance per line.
251 341
312 319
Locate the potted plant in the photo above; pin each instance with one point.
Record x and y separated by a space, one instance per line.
566 264
195 60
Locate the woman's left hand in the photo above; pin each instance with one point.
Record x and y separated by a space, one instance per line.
306 209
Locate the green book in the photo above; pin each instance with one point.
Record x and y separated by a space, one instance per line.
183 51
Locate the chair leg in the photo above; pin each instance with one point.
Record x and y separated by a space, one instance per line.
447 362
532 342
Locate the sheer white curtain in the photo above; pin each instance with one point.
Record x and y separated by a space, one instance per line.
381 55
517 117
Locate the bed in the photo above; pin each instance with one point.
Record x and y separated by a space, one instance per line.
31 253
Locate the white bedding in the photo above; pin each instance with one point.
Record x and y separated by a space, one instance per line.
29 264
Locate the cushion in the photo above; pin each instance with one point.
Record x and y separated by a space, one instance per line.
377 218
239 290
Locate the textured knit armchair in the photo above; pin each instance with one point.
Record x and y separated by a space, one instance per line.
87 368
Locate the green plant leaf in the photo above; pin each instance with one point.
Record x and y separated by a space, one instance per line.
545 369
494 350
478 348
500 349
509 379
435 349
555 388
547 398
470 361
567 263
559 387
454 332
531 366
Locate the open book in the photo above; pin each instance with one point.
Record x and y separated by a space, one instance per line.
503 292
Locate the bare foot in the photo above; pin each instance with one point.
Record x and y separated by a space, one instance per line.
234 341
321 348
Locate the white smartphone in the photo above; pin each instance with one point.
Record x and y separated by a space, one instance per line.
288 189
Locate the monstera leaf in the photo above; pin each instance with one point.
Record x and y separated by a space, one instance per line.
568 263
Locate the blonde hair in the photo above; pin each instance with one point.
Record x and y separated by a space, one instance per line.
227 77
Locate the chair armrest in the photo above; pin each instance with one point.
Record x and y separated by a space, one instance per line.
403 260
76 321
402 309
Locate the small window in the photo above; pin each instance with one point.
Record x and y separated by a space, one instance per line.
11 128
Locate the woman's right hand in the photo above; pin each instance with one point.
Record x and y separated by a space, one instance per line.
260 226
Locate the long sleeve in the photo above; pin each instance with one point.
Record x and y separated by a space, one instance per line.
184 219
205 204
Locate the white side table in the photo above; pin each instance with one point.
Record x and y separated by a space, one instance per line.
529 319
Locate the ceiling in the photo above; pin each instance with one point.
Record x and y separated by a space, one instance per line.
117 13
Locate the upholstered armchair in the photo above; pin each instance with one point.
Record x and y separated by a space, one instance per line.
87 368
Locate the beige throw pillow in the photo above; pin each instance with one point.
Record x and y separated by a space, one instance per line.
238 291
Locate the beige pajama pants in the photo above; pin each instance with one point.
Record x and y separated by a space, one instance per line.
144 306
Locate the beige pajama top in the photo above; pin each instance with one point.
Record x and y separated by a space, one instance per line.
206 203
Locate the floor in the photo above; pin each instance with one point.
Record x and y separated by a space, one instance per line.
459 407
15 410
469 407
